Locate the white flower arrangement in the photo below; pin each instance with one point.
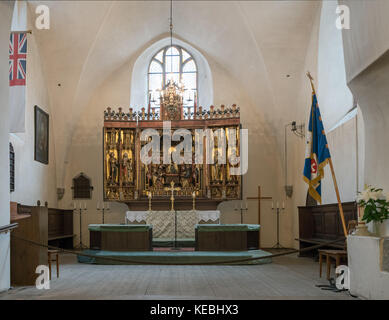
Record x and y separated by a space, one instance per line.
375 203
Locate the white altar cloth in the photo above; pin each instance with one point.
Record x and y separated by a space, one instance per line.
163 221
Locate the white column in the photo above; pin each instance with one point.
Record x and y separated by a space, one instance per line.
5 27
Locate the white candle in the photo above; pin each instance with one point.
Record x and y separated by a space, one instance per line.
246 204
241 205
278 205
98 205
272 205
108 205
84 205
283 204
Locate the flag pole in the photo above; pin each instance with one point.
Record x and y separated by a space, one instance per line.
333 174
17 32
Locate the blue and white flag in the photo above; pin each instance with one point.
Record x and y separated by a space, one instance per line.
317 153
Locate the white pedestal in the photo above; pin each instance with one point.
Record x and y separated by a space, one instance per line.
367 260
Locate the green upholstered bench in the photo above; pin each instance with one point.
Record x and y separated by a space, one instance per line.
227 237
121 237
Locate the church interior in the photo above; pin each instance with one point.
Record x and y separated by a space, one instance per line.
176 150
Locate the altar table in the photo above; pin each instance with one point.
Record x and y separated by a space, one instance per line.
163 222
121 237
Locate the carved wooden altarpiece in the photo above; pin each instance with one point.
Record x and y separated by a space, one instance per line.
127 179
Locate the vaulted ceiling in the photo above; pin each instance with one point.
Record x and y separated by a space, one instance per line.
259 42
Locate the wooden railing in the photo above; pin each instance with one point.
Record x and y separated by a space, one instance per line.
8 227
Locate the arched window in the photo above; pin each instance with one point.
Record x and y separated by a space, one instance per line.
172 62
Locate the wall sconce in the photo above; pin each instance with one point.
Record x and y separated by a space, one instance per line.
298 130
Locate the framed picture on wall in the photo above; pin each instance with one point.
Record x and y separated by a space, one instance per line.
41 120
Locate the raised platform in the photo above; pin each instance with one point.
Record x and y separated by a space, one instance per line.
173 257
181 243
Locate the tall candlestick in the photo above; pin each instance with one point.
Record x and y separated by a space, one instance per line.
149 195
194 200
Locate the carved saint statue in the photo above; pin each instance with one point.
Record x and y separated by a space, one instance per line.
155 176
233 178
113 168
216 167
172 168
161 175
185 176
195 175
128 170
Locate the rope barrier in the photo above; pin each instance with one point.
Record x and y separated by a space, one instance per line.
127 261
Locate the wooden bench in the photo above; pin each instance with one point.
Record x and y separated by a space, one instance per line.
320 224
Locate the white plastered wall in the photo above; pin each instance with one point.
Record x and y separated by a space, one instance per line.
366 47
335 101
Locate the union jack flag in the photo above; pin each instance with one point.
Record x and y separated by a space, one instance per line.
17 59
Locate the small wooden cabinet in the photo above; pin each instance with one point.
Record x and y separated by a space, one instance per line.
227 237
116 237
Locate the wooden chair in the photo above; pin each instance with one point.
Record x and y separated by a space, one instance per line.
50 254
337 255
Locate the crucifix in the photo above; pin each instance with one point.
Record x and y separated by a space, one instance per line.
259 198
172 189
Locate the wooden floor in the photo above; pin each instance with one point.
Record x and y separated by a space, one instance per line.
287 277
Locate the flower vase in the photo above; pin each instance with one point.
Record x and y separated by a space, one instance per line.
361 229
383 228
